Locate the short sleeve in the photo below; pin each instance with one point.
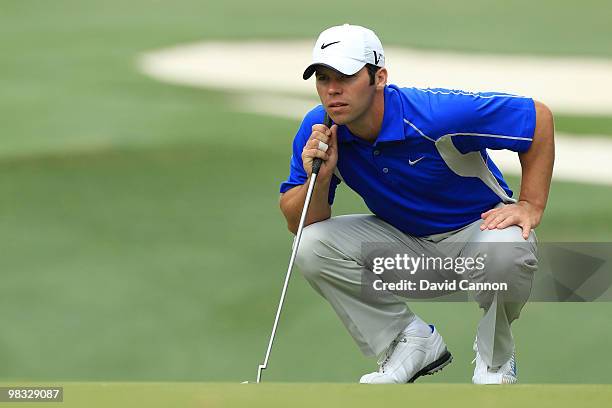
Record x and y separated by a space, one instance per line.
297 174
484 120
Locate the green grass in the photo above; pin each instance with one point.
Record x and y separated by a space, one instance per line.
327 395
140 232
166 264
590 125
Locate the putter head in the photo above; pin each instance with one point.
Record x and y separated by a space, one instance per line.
244 382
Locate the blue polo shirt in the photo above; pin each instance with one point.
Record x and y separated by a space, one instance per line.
428 171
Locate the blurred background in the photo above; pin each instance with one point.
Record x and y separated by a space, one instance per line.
140 235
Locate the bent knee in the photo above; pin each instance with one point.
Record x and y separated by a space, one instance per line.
311 243
505 261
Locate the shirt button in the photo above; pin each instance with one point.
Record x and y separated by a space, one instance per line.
385 170
376 152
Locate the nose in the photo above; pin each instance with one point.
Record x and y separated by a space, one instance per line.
334 87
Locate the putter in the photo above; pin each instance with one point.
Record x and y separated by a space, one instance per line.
316 165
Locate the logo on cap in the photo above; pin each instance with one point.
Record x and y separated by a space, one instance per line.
376 57
324 46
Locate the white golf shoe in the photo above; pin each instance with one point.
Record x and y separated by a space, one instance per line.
506 374
409 357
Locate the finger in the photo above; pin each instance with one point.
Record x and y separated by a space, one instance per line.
321 128
314 153
314 144
526 230
317 144
319 136
488 219
487 213
333 140
512 220
334 134
497 219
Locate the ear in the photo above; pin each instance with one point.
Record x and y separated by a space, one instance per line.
381 78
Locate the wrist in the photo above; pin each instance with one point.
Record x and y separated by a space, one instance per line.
531 204
323 184
322 178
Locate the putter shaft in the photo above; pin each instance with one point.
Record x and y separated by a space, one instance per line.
316 165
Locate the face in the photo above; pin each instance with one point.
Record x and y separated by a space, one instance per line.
347 98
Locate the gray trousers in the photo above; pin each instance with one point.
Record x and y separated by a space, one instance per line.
331 259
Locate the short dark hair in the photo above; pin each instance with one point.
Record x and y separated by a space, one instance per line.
372 70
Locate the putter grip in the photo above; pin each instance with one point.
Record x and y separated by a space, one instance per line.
316 163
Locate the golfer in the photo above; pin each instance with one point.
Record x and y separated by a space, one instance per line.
418 158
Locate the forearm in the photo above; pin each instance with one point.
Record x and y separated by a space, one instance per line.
537 162
292 203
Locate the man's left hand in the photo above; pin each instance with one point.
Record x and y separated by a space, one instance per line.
523 214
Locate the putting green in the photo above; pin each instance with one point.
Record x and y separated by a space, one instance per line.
313 394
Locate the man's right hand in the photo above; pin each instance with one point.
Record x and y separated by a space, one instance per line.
315 147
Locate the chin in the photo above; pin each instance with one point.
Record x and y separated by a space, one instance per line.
339 119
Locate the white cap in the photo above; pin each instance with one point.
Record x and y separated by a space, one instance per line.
346 48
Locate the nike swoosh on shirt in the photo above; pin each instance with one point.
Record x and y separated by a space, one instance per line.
413 162
324 46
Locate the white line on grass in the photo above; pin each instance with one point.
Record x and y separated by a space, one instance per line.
568 85
261 71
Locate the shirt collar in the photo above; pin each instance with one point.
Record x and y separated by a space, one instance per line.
393 121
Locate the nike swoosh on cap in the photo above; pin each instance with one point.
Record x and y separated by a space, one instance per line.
413 162
324 46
